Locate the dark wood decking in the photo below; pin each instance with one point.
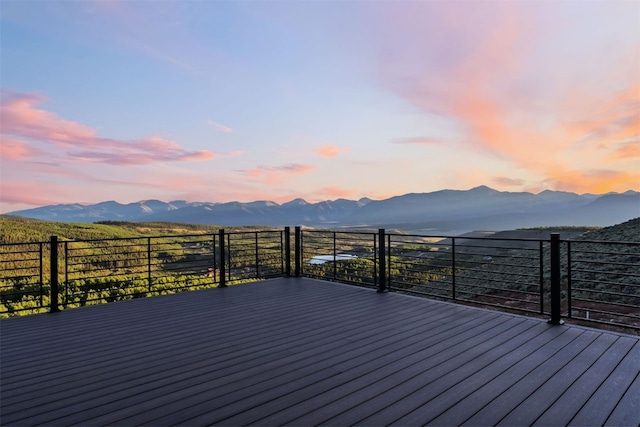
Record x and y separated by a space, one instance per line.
307 352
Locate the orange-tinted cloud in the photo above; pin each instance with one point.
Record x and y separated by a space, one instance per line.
547 122
591 181
335 192
626 150
330 150
278 174
508 182
21 119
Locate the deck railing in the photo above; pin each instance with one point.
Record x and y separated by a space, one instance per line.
591 281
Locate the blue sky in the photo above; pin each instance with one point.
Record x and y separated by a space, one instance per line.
248 100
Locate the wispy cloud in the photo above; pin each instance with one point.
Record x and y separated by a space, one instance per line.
590 181
15 149
219 127
508 182
417 140
489 82
23 121
330 150
335 192
278 174
626 150
32 193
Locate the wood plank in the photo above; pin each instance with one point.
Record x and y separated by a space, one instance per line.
497 406
301 351
599 407
578 393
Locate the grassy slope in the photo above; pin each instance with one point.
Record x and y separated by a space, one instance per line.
14 229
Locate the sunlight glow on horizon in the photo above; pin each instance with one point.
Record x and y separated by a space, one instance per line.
247 101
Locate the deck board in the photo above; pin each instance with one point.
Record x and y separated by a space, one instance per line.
309 352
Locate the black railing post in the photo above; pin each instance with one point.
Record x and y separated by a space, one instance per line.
223 277
555 279
287 252
53 273
382 263
298 252
569 284
41 273
66 274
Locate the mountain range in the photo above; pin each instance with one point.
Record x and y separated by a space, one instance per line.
480 208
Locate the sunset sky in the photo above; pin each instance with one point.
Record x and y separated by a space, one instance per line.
274 100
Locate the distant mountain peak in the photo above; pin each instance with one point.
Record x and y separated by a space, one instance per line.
296 202
483 189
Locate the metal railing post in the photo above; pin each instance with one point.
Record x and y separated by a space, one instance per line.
66 274
569 284
41 272
223 277
287 252
298 252
53 273
382 263
555 279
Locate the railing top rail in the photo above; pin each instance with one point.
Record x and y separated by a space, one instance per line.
168 236
364 233
513 239
275 230
606 242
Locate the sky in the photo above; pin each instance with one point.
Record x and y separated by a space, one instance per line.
273 100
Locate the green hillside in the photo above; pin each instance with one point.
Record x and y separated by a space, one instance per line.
14 229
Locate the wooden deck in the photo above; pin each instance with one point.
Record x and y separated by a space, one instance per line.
307 352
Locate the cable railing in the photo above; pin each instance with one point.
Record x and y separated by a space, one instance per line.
505 273
349 257
23 286
603 282
591 281
48 276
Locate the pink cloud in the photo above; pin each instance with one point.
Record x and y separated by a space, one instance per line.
335 192
489 81
330 150
21 119
236 153
626 150
508 182
15 149
32 193
278 174
219 127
